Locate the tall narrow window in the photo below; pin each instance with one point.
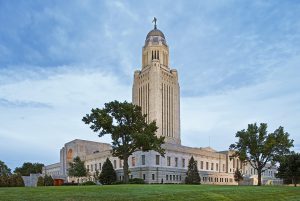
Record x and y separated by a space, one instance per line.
157 159
201 165
133 161
169 161
115 164
143 160
176 162
183 163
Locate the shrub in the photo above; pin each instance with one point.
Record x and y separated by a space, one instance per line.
48 180
40 181
70 184
136 181
88 183
108 174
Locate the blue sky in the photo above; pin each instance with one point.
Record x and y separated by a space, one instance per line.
238 63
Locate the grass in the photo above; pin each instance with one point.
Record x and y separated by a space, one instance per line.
152 192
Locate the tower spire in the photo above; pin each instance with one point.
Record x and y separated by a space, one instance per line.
154 20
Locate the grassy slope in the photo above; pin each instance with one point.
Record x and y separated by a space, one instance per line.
152 192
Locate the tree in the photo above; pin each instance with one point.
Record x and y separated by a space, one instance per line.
128 129
40 181
48 180
4 170
77 168
258 147
29 168
192 175
289 167
238 175
108 174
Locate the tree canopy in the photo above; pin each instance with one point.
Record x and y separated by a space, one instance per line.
289 167
128 129
108 174
257 147
4 170
192 175
77 168
29 168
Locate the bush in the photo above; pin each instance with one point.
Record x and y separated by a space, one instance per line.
136 181
70 184
108 174
88 183
48 180
117 182
40 181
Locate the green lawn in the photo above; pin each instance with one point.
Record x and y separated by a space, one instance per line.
152 192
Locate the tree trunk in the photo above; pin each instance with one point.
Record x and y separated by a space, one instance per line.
259 177
294 181
125 170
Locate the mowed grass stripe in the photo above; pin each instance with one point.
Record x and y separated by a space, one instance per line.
152 192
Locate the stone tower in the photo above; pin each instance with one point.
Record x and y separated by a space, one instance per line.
156 87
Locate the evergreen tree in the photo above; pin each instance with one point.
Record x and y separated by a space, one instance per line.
48 180
108 174
192 175
77 168
238 175
40 181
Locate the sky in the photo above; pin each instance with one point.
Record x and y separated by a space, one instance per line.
238 63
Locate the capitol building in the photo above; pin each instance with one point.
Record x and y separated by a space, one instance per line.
156 90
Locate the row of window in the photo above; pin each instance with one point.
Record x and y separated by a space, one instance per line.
208 166
216 179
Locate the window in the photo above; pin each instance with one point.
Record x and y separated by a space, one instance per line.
143 160
153 176
176 177
92 168
88 168
173 177
133 161
115 164
201 165
183 163
217 166
170 177
168 161
206 165
120 163
157 160
176 162
95 167
180 177
212 166
131 176
167 177
100 166
144 176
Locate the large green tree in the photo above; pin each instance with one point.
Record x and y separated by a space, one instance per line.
289 167
28 168
108 174
128 129
192 175
77 168
4 170
257 147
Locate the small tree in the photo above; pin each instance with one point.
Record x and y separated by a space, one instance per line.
238 175
77 168
48 180
258 147
289 167
128 129
108 174
40 181
192 175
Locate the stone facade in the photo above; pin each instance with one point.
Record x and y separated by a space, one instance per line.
156 90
